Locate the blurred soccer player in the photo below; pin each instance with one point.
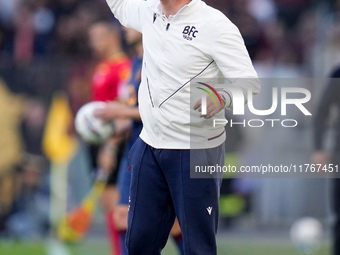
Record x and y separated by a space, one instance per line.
329 99
130 110
126 110
108 81
182 40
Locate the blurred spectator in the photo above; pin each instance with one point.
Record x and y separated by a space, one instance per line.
71 31
24 34
79 87
43 23
7 10
32 126
264 11
290 11
10 143
32 28
65 7
30 214
10 148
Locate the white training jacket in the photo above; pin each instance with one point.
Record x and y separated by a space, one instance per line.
198 42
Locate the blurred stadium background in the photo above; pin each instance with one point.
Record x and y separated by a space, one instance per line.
45 70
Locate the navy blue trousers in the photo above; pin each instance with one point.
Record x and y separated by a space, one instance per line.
161 189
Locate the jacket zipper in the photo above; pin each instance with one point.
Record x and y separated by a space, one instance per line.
169 21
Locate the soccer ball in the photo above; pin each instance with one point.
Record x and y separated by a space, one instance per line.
91 129
306 234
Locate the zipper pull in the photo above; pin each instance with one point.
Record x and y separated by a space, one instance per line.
167 27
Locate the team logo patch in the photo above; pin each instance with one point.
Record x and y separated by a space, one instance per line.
189 33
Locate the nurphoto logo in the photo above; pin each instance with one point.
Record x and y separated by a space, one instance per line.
279 102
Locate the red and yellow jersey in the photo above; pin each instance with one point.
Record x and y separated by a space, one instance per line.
110 77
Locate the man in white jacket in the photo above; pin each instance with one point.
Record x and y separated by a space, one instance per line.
183 41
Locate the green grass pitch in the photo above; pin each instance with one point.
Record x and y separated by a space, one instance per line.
90 247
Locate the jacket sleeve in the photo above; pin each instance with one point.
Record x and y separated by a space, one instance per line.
232 58
128 12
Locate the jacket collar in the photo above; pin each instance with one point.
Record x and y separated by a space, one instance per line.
157 8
